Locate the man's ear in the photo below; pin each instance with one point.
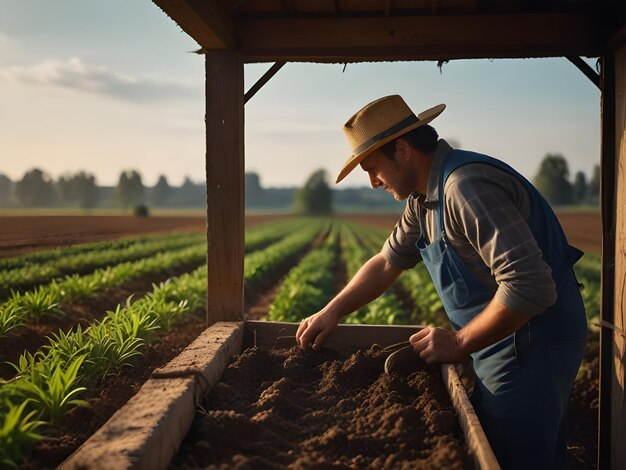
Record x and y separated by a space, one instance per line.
403 149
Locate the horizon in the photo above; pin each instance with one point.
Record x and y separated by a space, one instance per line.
91 95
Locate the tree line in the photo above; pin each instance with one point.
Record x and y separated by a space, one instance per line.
38 189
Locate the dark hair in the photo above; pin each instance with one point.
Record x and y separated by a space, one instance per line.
423 138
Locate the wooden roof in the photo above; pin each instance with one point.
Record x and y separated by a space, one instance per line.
375 30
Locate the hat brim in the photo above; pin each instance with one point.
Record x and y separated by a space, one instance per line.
353 160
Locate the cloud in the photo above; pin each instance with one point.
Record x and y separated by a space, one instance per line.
74 74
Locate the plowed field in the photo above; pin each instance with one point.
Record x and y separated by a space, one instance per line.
22 234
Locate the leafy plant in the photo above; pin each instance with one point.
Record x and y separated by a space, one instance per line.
50 388
18 432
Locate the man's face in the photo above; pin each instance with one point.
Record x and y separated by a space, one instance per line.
395 176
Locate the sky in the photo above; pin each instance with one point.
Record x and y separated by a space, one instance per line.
108 86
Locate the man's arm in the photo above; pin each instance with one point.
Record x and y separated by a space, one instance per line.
374 277
496 321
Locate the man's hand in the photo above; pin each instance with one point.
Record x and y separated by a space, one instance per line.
314 330
436 345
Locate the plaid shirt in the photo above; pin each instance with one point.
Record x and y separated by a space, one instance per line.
485 221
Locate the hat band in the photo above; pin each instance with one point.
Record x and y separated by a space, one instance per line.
412 119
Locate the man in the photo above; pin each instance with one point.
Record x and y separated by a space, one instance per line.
501 265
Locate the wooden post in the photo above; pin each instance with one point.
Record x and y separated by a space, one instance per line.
618 397
608 206
225 179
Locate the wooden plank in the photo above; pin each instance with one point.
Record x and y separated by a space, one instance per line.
475 437
419 38
608 206
618 397
225 176
147 431
203 20
267 334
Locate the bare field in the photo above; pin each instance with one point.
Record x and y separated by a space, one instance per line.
22 234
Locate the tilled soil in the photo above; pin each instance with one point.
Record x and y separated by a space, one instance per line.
287 408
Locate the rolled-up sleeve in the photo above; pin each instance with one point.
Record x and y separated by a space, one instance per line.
485 209
399 248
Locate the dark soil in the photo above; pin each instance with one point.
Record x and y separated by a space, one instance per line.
582 413
33 335
291 409
81 423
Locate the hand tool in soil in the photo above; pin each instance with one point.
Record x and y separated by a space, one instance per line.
403 359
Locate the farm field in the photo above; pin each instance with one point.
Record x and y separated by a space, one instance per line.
22 234
85 326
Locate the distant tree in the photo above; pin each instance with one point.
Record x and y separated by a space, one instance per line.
83 189
161 191
6 191
552 180
579 189
593 188
191 193
35 189
253 190
63 186
130 189
315 197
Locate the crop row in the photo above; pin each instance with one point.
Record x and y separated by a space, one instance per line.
40 257
26 277
310 285
49 383
261 236
427 308
386 309
47 300
261 268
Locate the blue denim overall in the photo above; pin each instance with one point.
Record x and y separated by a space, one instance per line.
523 381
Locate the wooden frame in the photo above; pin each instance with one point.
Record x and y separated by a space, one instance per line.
146 433
594 28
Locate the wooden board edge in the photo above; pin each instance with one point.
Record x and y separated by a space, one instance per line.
271 334
147 431
477 442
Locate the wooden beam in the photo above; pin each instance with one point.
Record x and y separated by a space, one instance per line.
204 20
586 70
273 70
225 185
618 395
608 207
419 38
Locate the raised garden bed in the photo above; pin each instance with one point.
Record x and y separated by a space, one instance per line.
315 409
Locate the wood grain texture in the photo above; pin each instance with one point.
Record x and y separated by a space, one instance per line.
225 185
475 437
618 397
419 37
204 20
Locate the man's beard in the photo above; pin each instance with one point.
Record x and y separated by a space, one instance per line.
401 187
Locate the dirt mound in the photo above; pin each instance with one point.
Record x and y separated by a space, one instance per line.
287 408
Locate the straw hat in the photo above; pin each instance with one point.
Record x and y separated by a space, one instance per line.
380 122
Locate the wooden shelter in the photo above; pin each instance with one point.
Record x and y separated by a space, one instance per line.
231 33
